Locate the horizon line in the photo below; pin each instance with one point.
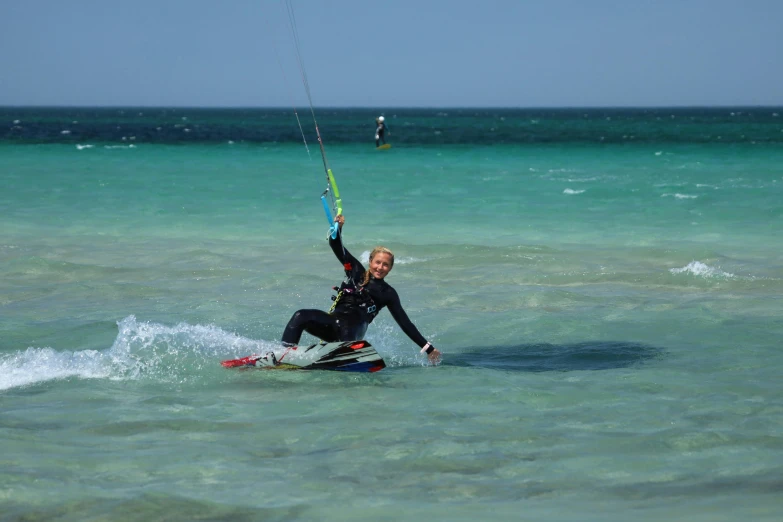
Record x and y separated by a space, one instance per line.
364 107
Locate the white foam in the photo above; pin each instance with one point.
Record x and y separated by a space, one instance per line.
87 146
700 269
572 191
141 350
679 196
36 365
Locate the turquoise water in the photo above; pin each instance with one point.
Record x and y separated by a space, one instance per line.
609 313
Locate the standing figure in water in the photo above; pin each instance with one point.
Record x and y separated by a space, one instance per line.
380 130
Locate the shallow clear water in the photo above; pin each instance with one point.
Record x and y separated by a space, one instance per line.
609 314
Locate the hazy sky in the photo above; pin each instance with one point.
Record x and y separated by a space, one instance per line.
366 53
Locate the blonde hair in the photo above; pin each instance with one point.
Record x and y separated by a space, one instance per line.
375 251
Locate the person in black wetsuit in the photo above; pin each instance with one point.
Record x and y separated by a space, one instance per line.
380 130
361 297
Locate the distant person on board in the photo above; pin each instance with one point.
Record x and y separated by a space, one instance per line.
360 298
380 130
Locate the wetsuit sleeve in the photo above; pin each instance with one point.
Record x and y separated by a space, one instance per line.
396 310
343 256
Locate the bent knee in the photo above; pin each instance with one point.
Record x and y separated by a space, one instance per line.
302 316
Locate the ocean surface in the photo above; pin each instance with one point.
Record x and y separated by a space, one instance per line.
606 286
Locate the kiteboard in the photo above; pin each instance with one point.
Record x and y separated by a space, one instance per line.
384 146
347 356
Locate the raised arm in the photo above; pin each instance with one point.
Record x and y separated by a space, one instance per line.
342 254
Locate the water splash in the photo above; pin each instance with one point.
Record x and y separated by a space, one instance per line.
36 365
148 351
700 269
141 350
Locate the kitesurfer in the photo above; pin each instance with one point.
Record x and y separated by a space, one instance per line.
380 130
362 295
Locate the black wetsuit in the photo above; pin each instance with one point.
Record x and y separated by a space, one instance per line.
379 132
350 317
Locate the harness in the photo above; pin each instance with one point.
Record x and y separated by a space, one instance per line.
355 296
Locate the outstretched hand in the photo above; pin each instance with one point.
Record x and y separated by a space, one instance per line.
434 357
340 220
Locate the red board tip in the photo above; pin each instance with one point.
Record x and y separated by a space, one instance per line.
244 361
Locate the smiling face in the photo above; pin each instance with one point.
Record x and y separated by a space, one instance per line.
381 264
